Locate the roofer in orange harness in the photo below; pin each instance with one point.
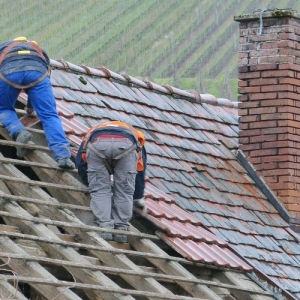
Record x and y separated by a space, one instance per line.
25 66
113 148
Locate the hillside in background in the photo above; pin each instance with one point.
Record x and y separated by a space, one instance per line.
189 44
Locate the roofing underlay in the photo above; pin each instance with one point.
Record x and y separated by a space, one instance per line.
202 200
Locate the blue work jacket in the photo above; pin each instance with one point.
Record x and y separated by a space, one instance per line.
23 62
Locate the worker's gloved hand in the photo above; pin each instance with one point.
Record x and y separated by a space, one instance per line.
140 204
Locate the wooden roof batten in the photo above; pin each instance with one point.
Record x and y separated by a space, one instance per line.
53 242
163 277
125 292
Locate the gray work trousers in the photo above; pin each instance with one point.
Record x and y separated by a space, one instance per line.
112 210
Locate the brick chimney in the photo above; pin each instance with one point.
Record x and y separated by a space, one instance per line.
269 101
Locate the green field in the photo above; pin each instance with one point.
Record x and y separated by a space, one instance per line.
189 44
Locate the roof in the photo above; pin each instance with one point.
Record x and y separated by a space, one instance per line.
216 225
120 102
196 185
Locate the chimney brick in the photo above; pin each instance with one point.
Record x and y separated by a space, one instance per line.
269 107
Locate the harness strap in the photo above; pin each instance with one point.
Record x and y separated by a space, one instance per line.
110 163
37 49
13 44
39 52
6 50
18 86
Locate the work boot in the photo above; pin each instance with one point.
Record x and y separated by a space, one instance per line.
65 163
120 238
22 136
140 204
106 236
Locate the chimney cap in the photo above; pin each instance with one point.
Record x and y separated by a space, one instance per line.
268 13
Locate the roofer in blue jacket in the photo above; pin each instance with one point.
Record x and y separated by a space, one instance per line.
25 66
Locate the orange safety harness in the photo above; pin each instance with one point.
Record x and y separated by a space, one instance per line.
110 163
39 52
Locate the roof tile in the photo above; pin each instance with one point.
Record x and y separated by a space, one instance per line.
156 193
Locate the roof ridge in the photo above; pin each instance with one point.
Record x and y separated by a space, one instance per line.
102 71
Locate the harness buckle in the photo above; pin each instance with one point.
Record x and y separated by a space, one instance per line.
24 52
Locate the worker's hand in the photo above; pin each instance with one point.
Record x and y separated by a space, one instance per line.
140 205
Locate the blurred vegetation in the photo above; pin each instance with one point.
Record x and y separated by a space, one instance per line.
189 44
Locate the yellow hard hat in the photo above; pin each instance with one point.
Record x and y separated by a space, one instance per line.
20 38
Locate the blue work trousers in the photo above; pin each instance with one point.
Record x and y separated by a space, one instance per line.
43 101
